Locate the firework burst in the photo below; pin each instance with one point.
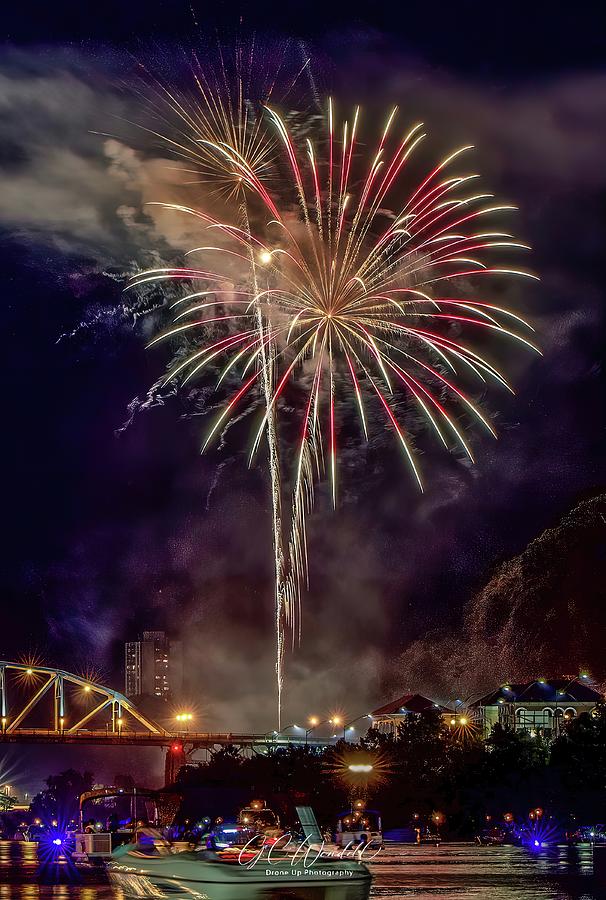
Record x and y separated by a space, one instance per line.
338 285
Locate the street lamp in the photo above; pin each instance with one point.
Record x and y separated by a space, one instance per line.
287 727
119 723
336 721
350 725
315 722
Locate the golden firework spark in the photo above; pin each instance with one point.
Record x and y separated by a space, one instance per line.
342 290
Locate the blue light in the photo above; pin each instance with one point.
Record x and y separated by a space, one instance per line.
57 842
537 844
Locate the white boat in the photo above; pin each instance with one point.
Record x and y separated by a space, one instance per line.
139 873
359 825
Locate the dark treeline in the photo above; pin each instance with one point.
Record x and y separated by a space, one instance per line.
424 769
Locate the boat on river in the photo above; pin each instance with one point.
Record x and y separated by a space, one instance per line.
152 868
140 871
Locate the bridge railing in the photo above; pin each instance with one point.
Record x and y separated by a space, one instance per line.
127 736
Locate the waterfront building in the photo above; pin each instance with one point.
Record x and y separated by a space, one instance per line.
539 707
153 666
387 718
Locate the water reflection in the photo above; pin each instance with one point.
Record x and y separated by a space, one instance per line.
472 872
450 872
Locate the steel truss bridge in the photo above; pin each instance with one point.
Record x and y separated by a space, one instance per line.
77 706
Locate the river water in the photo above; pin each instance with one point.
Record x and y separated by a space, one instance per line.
449 872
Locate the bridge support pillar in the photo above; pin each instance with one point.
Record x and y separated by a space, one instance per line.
175 759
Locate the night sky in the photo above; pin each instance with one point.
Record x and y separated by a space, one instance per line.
110 529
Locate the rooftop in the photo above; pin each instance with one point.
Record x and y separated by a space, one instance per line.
544 690
408 703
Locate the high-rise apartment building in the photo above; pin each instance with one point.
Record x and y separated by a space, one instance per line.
153 666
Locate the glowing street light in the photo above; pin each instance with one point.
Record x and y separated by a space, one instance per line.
315 722
360 767
350 726
286 728
184 718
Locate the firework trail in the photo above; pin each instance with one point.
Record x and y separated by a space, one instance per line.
223 132
340 295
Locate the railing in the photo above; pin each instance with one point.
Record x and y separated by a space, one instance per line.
125 736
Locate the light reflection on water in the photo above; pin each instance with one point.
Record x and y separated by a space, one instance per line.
449 872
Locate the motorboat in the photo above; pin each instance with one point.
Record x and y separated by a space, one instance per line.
587 834
152 868
94 843
259 818
359 825
492 837
156 871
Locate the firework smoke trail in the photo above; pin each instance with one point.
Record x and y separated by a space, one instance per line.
217 129
350 299
266 363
